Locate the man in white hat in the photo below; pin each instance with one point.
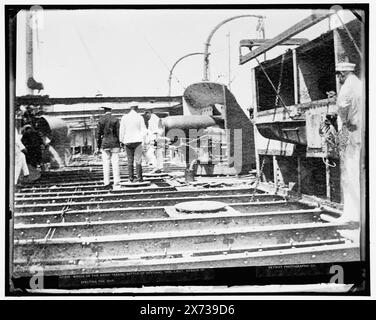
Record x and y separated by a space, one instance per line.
350 108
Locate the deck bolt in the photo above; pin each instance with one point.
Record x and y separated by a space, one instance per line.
313 256
48 221
32 219
74 229
270 218
245 262
99 218
270 234
260 250
345 254
79 235
318 238
225 252
297 233
22 233
280 260
44 209
260 243
125 227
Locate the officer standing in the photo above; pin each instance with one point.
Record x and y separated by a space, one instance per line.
350 109
108 142
132 135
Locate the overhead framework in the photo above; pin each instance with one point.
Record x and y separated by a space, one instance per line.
314 18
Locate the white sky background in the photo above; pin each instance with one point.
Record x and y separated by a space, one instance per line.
129 52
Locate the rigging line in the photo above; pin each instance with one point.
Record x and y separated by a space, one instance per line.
235 75
274 88
98 74
160 58
350 36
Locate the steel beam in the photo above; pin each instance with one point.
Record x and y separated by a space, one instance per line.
249 43
173 242
79 186
228 220
90 205
304 255
134 195
140 213
287 34
55 193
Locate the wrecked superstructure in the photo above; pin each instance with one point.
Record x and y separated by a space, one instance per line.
178 231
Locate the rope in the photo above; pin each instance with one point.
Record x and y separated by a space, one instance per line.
161 60
98 76
258 177
350 36
326 162
274 88
199 138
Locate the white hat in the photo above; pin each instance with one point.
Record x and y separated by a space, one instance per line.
345 66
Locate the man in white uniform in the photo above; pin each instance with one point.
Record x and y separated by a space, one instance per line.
132 135
20 159
155 143
350 108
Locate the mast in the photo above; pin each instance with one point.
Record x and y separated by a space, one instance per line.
29 50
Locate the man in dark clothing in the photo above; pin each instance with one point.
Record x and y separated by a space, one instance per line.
146 116
108 142
33 144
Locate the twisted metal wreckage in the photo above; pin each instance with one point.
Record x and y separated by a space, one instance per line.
227 215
